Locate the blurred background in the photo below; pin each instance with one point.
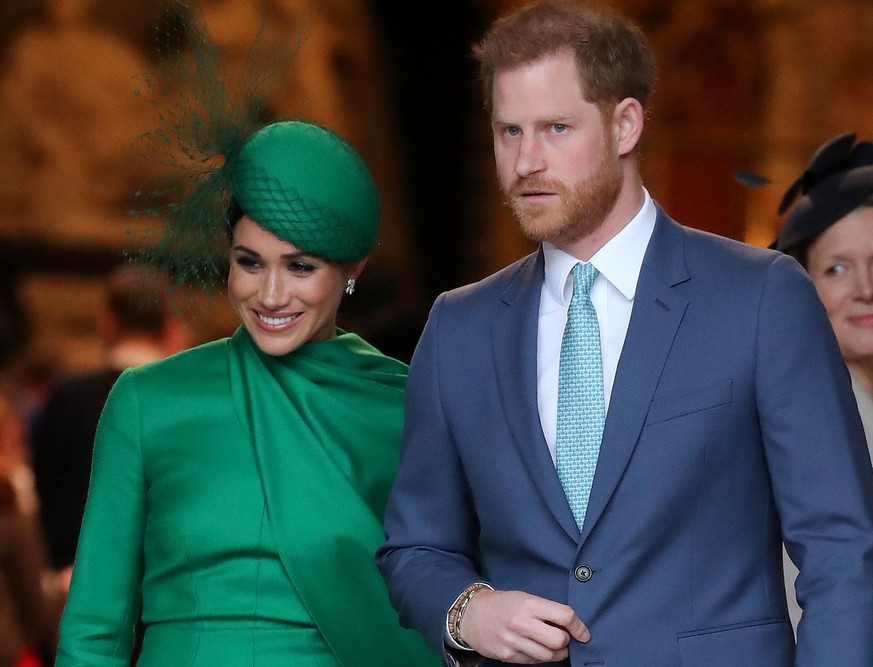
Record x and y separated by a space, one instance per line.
754 84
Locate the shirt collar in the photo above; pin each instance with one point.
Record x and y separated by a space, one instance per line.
619 260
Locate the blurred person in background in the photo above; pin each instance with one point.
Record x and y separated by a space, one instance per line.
36 375
829 230
28 615
16 467
136 326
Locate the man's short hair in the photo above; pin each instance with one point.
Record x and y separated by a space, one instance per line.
612 54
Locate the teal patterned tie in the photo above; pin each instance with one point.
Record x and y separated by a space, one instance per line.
581 407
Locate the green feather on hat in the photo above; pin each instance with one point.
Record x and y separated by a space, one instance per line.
298 180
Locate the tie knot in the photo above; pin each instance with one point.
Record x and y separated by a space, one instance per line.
583 278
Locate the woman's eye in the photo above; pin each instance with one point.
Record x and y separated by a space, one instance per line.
559 128
835 270
246 262
301 268
513 131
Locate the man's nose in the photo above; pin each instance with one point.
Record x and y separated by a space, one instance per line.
531 158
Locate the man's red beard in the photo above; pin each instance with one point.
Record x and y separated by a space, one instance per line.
577 212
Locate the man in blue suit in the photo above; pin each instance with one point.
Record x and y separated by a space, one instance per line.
608 441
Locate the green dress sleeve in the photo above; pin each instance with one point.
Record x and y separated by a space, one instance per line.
104 602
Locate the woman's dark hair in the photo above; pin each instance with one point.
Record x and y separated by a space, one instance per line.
800 251
234 214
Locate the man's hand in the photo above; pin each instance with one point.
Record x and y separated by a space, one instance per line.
520 628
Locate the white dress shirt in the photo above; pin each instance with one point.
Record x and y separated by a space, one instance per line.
612 294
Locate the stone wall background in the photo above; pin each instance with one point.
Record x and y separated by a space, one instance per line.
754 84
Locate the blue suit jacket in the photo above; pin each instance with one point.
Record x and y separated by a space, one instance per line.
731 425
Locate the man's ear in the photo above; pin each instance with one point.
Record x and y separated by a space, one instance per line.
627 125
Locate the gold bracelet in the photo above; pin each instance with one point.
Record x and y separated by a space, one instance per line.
459 607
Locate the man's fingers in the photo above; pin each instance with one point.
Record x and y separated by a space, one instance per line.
578 630
529 651
552 637
565 618
520 628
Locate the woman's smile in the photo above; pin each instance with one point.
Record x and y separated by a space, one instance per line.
277 322
284 296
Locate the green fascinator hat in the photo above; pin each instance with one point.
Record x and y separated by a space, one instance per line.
308 186
298 180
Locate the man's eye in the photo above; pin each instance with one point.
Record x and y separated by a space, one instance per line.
513 131
559 127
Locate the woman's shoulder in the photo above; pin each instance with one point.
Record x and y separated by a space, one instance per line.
197 362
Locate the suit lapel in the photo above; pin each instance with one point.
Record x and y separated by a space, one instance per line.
656 315
514 345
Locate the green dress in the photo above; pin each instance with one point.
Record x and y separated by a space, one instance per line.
236 502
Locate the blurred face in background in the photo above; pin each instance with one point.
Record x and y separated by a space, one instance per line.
840 263
284 296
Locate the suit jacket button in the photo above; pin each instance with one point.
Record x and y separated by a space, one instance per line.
583 573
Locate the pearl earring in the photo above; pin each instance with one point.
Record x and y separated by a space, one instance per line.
350 286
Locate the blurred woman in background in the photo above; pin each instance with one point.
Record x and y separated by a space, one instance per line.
829 231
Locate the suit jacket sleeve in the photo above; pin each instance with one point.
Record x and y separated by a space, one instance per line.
820 470
97 628
430 553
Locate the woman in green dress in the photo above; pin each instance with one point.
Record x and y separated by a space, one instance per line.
238 487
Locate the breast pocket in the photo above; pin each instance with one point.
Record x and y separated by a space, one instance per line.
689 401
